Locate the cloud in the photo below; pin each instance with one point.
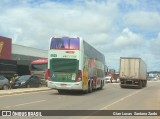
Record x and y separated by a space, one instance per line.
126 44
97 39
128 39
105 24
155 46
27 24
143 19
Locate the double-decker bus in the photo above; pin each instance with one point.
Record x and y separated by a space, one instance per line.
75 65
40 68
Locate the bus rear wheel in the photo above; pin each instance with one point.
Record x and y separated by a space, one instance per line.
101 86
90 87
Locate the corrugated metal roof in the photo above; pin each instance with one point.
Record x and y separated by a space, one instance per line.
29 51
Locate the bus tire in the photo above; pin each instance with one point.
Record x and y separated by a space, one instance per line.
90 87
101 86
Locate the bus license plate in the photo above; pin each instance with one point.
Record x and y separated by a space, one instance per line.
63 84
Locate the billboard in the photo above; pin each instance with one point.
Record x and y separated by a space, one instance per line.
5 48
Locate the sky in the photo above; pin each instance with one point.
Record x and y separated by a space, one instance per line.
117 28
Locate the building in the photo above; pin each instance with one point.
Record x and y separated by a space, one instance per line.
5 48
25 55
17 58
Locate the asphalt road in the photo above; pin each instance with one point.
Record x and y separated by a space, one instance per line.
112 97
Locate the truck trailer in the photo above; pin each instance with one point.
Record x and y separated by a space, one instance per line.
133 72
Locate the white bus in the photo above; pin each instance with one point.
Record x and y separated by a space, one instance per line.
75 65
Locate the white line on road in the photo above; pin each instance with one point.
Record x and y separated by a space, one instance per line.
121 99
24 104
106 107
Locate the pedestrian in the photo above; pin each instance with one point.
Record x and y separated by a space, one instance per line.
13 79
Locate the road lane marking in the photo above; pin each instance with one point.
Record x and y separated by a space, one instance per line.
106 107
24 104
121 99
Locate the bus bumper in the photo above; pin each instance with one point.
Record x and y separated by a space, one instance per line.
65 85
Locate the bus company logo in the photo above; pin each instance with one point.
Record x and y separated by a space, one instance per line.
1 47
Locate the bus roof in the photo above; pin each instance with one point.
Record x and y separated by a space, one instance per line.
40 61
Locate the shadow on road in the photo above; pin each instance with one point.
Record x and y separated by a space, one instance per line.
74 93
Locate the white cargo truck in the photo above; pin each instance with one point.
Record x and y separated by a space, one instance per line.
133 72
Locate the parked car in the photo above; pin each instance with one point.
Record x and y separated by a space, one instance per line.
27 81
4 83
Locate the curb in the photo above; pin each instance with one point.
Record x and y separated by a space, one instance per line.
16 91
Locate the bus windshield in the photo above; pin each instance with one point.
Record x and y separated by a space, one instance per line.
65 43
39 67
